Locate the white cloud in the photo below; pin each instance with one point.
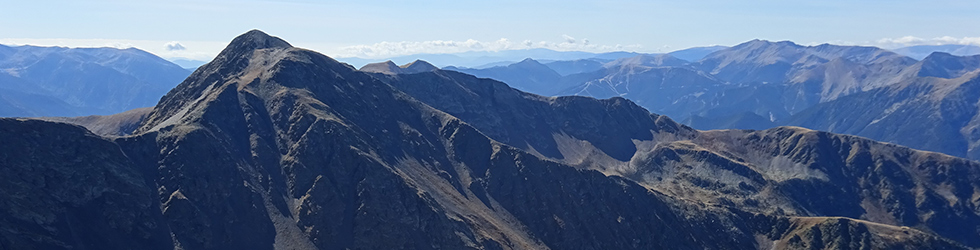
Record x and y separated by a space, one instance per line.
568 39
390 49
119 45
912 40
174 46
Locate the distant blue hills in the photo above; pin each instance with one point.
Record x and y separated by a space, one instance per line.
59 81
920 52
485 59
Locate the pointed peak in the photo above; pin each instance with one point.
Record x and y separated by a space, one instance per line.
253 40
528 60
261 40
418 66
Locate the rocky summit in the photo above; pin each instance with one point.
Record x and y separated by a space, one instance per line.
275 147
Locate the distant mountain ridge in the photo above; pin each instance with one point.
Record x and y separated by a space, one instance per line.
935 110
390 67
696 53
920 52
528 75
771 79
762 84
479 59
82 81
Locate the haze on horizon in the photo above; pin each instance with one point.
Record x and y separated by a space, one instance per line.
376 29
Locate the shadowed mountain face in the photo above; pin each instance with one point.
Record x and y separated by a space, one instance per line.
786 171
56 81
275 147
64 187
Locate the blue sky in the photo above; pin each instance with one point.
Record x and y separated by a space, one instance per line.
388 28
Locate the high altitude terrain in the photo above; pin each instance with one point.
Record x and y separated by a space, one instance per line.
863 91
57 81
275 147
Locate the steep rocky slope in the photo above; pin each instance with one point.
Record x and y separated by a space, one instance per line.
781 171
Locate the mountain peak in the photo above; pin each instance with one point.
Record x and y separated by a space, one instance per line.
256 39
531 64
935 55
766 43
389 67
418 66
946 65
386 67
244 44
527 60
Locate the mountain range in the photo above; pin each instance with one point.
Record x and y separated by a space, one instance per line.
58 81
25 96
935 110
275 147
484 59
920 52
762 84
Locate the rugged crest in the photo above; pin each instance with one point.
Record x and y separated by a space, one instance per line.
781 171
